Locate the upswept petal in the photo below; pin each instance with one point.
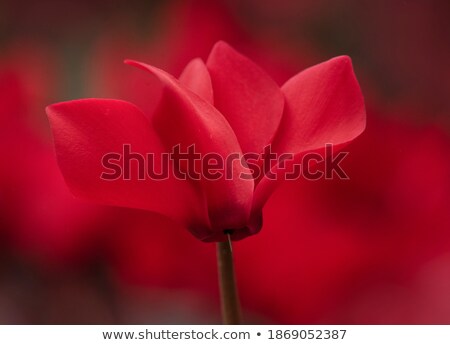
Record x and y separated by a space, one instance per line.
195 77
86 130
183 118
323 104
249 99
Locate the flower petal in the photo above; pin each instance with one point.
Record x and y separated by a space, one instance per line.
195 77
249 99
185 119
323 104
86 130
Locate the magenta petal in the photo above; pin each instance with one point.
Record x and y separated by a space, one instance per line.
86 130
183 118
249 99
195 77
323 104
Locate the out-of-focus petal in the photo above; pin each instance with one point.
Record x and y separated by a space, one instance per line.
86 130
185 119
249 99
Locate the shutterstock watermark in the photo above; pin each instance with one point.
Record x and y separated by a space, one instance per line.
190 164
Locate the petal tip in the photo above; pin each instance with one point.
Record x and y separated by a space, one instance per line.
343 60
132 62
141 65
221 44
48 109
220 47
52 109
197 60
159 73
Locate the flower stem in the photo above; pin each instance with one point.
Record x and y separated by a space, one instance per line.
231 310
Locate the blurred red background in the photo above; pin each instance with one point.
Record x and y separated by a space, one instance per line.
372 249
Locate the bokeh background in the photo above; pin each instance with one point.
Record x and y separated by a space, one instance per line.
373 249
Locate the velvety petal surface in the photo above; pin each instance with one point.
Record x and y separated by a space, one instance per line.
323 104
195 77
183 118
249 99
86 130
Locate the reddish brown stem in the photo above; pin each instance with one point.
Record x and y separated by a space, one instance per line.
231 311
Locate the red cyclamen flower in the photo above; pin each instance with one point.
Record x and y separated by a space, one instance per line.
226 106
